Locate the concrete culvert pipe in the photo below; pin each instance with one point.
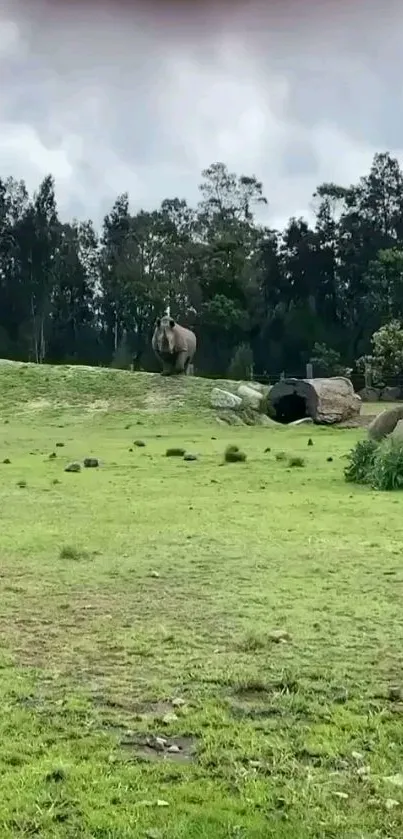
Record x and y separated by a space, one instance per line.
326 401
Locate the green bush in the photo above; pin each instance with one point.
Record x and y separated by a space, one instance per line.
387 469
232 454
379 465
298 462
360 462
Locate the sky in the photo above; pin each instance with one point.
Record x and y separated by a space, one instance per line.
141 97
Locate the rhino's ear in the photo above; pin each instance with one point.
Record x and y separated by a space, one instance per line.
171 322
158 322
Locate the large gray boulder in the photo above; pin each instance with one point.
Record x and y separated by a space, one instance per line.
369 394
222 399
251 397
386 422
390 394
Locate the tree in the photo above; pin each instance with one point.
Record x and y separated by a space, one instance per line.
387 357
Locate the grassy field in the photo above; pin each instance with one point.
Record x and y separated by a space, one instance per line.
191 650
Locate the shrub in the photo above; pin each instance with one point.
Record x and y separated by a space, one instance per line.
296 461
360 462
175 452
232 454
387 468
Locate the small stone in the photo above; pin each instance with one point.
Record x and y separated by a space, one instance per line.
154 574
59 445
73 467
139 443
178 702
161 803
91 462
342 795
173 750
169 718
52 456
188 456
268 449
153 833
160 744
329 459
396 780
363 770
391 803
279 636
357 756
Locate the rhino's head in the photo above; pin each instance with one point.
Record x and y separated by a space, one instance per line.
164 334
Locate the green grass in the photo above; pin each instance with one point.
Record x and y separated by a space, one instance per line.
249 614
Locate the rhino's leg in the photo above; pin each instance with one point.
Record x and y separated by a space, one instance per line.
182 361
167 368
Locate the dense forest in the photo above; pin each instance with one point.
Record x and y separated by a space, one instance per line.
254 295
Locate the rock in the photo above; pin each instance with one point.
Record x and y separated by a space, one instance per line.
325 400
251 398
342 795
369 394
279 636
397 433
178 702
263 419
173 750
73 467
59 445
396 780
390 394
188 456
169 718
91 462
139 443
224 399
391 803
386 422
230 418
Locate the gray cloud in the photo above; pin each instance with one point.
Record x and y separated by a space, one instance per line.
118 100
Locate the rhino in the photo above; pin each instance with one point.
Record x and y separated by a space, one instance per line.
174 346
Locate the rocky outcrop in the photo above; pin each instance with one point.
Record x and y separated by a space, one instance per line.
251 397
223 399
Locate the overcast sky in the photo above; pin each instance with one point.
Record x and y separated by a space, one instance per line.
112 98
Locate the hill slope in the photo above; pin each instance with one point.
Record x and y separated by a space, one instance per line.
30 387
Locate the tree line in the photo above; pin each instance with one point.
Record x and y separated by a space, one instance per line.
255 296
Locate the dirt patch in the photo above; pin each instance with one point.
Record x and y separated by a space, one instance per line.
98 405
151 747
38 405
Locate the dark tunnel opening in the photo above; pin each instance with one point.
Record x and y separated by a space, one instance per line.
290 408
